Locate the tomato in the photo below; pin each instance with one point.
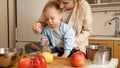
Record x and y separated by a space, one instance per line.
25 63
78 59
39 62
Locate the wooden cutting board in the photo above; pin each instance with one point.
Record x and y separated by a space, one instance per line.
62 63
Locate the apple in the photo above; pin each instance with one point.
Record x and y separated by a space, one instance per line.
78 59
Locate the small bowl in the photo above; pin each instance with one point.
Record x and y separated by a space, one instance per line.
9 56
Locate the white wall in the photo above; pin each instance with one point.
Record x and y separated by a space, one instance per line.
99 20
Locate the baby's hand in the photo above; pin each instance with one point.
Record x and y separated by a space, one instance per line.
37 28
44 42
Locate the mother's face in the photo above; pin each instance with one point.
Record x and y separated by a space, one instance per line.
66 5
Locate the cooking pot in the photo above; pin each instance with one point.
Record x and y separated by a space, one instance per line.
9 56
98 54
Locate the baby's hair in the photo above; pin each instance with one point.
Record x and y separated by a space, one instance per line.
52 4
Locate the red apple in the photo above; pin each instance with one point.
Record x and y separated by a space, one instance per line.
78 59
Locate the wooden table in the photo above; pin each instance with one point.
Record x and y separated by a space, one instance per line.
62 63
65 63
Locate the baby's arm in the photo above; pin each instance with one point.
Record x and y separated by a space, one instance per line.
69 40
45 38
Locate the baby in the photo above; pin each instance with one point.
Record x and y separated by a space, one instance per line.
57 34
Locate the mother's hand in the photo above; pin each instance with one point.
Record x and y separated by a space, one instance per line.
37 28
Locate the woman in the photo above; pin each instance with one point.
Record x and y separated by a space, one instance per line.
77 14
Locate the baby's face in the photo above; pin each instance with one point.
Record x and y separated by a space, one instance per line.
53 17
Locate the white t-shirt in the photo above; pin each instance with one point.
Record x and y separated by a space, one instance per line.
65 15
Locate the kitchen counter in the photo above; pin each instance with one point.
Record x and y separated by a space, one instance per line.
113 64
65 63
104 38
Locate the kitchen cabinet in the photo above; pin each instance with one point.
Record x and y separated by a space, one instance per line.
104 5
103 43
117 50
7 23
102 1
3 24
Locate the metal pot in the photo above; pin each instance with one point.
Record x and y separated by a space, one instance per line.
9 56
98 54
